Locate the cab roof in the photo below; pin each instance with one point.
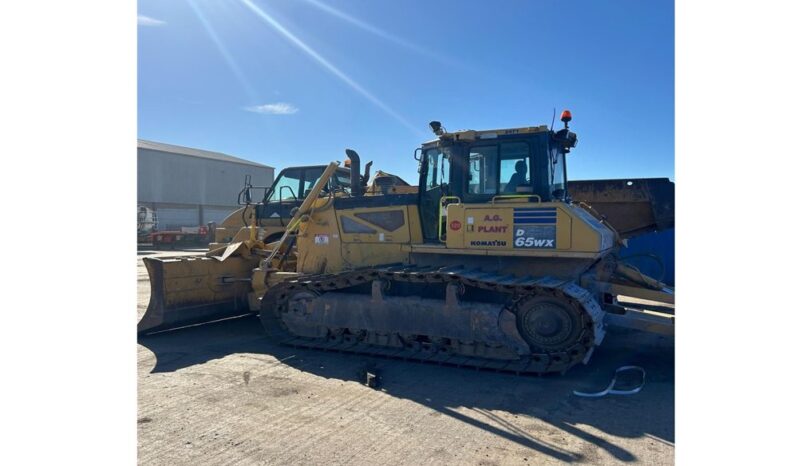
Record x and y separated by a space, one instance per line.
473 135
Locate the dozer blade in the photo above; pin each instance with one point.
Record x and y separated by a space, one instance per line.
191 290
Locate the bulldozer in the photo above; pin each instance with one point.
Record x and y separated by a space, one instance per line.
489 263
282 197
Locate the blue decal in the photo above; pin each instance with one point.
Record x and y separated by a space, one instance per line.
535 237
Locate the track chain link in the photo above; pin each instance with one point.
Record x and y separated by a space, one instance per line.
518 288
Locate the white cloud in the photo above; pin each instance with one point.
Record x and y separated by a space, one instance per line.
279 108
147 21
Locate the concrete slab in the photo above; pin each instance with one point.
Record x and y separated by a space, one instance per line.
221 394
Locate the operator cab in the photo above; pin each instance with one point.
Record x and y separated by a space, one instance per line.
477 167
293 184
289 190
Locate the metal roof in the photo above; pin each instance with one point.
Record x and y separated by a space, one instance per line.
191 152
471 135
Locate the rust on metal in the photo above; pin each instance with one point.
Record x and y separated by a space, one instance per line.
633 206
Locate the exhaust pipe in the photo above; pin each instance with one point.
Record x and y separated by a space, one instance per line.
354 172
366 175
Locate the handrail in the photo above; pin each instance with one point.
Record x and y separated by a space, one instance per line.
303 210
440 214
515 196
290 189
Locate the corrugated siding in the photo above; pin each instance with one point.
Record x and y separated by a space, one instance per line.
173 218
181 179
217 215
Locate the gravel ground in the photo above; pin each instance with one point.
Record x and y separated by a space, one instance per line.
221 394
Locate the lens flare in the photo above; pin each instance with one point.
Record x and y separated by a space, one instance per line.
329 66
378 32
231 63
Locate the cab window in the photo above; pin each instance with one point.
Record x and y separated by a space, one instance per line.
437 169
482 169
557 182
311 176
435 184
514 169
287 187
341 180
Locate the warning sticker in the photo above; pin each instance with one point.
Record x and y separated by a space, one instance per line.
322 239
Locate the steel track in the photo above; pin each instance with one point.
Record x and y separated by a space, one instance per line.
517 289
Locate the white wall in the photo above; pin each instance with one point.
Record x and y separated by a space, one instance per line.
189 191
181 179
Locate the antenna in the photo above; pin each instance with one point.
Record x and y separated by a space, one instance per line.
553 114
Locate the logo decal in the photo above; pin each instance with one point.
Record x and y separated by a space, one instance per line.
455 225
492 229
489 243
535 228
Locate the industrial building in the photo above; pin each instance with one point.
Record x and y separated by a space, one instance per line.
188 187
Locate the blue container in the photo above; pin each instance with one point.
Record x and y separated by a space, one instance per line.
661 244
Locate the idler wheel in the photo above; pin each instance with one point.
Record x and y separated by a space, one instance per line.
549 324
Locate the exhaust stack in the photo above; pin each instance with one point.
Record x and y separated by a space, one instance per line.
354 172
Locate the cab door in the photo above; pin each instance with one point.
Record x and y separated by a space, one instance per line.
434 185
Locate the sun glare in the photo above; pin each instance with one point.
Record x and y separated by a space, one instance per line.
228 58
332 69
379 32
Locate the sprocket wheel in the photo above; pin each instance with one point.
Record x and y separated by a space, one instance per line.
550 324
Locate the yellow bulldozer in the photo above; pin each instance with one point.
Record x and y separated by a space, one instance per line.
285 194
490 263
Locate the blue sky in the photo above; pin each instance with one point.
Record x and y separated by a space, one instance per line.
287 82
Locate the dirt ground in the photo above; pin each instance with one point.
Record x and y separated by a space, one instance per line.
221 394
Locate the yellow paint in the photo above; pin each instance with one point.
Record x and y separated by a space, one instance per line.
491 227
380 235
442 207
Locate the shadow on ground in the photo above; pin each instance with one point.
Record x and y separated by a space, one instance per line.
444 389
